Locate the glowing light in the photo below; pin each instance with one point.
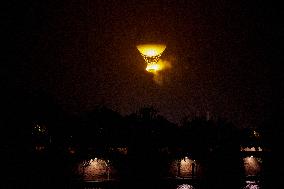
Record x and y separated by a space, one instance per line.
94 170
39 129
256 134
154 67
187 167
252 165
151 54
185 186
151 50
252 185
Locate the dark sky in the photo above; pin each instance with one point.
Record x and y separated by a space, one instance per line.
83 53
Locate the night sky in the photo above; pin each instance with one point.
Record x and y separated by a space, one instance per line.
83 53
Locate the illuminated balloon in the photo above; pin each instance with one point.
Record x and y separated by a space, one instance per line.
151 53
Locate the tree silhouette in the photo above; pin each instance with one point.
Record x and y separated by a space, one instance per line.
149 132
216 143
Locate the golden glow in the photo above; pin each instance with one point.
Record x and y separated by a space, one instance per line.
151 50
252 149
252 165
151 54
187 167
154 67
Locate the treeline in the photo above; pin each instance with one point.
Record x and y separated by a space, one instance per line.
40 143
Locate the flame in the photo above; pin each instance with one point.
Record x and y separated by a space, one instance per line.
154 67
159 66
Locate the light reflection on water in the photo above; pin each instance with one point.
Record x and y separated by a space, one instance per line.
252 185
180 186
185 186
248 185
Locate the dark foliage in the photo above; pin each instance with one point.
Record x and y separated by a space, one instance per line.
41 144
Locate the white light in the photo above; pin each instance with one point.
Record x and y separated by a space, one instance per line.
185 186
